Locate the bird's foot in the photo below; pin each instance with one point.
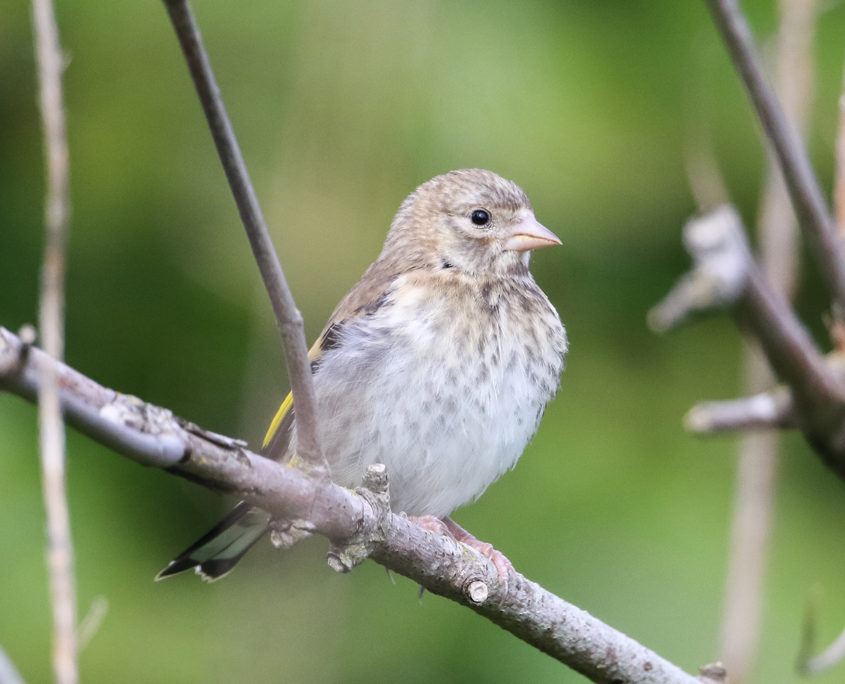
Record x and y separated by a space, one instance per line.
448 527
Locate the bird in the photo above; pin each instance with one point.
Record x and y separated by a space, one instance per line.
438 363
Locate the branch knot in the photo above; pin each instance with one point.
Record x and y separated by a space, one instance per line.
345 555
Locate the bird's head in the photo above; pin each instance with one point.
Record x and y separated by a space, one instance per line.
472 220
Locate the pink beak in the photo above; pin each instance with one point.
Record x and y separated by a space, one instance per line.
528 233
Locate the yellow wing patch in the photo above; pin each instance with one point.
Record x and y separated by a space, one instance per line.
313 354
277 419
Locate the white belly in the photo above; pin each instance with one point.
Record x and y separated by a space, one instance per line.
445 409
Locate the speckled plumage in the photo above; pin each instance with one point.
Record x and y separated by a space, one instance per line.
438 363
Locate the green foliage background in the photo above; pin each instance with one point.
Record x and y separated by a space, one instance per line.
342 109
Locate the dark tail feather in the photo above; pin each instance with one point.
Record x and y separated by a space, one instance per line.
216 553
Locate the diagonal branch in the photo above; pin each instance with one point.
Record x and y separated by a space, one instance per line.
787 345
288 317
359 524
807 198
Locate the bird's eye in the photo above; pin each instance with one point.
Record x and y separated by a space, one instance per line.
480 217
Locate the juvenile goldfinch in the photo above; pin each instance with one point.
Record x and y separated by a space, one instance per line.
438 363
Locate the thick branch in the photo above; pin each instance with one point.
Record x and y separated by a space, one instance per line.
288 317
51 320
807 198
359 524
725 274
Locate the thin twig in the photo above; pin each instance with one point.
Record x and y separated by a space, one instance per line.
753 510
288 317
766 410
704 177
794 79
807 198
773 409
359 525
93 620
51 322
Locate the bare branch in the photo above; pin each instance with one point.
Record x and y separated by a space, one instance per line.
807 198
776 226
358 524
769 410
725 274
751 527
766 410
93 620
704 176
753 509
288 317
51 317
